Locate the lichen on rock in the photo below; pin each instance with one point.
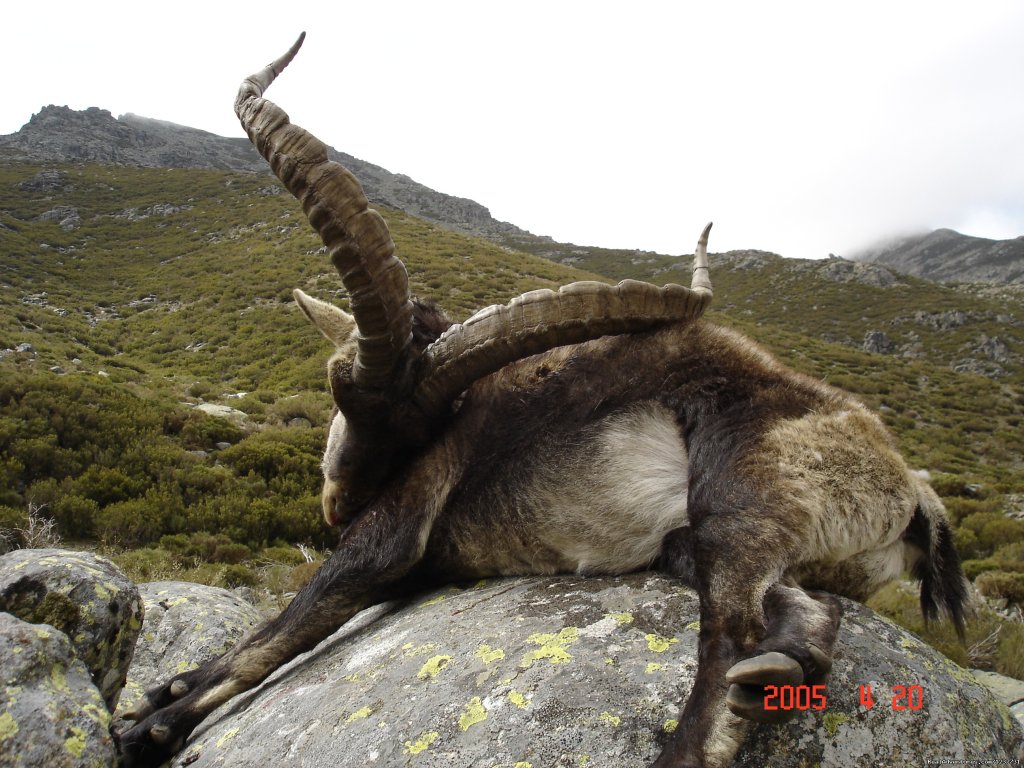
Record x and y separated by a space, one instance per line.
51 713
598 689
186 625
84 596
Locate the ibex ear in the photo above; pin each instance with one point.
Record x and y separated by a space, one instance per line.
334 323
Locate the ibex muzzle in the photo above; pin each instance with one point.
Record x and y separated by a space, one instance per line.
593 429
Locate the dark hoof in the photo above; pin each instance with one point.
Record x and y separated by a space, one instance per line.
748 698
772 668
146 745
821 661
748 702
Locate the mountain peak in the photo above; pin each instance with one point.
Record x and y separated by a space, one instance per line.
58 134
948 256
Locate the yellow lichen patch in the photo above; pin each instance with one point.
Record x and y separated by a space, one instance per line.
433 601
100 714
670 725
228 736
694 625
42 634
7 726
523 764
659 644
552 647
622 618
433 666
422 743
832 721
518 699
653 667
59 677
613 720
584 760
473 713
418 650
360 714
488 655
75 744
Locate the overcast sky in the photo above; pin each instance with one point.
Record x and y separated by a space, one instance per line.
804 128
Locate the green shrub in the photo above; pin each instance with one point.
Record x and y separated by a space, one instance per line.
11 518
1001 585
997 533
130 523
1010 652
239 576
312 406
201 431
230 553
974 568
285 555
148 564
966 542
75 515
1010 556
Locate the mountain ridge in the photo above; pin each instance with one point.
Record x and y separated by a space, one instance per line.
948 256
59 134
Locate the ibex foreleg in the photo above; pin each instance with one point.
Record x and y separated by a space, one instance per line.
370 566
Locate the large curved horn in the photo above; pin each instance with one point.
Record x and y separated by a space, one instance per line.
541 320
355 234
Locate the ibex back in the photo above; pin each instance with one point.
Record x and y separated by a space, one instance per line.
595 429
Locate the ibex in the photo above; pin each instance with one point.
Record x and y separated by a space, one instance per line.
592 430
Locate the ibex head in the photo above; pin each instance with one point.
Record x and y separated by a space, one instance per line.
394 387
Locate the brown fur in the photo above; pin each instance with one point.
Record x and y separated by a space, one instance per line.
799 472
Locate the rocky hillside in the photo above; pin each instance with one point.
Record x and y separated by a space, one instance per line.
946 256
60 134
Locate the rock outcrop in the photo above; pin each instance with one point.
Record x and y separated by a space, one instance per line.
186 625
562 672
571 672
51 714
83 596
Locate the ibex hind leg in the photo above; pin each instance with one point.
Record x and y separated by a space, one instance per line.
796 650
731 579
372 563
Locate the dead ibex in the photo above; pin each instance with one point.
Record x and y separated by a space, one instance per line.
597 430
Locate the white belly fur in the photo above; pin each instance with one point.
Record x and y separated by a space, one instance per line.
621 496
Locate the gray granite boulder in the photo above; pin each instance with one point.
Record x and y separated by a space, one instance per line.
82 595
186 625
51 713
571 672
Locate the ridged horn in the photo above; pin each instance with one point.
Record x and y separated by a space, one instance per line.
541 320
355 235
